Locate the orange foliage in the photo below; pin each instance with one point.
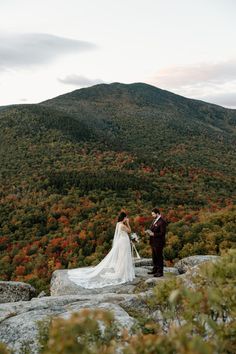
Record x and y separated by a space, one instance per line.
20 270
142 219
3 240
64 220
82 235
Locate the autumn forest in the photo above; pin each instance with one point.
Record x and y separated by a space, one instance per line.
69 165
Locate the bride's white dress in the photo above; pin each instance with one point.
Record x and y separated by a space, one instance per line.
116 268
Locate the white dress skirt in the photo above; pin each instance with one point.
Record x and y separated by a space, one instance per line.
116 268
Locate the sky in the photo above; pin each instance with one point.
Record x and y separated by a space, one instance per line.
51 47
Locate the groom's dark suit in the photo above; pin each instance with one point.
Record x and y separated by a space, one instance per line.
157 242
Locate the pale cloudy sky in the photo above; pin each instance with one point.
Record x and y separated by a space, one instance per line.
50 47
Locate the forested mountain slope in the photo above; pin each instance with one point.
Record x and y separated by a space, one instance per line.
70 164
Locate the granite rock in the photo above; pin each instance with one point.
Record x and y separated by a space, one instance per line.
19 320
188 262
11 291
62 285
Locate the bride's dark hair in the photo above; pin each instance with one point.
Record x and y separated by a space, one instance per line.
122 216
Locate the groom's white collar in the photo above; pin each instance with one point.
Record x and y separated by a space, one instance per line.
159 216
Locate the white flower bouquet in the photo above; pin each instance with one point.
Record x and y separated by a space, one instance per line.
134 237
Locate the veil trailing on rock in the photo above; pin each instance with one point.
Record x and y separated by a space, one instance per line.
116 268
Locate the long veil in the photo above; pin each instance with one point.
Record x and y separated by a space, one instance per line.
107 272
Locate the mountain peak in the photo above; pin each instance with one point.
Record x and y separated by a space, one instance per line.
137 92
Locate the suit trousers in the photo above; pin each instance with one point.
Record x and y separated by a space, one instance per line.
157 259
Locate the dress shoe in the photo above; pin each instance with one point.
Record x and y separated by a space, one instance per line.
157 275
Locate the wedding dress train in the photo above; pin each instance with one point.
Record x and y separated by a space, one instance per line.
116 268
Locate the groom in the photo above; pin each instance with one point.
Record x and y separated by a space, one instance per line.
157 233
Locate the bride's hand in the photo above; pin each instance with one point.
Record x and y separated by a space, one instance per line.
127 221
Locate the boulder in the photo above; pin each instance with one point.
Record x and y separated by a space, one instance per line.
11 291
188 262
19 320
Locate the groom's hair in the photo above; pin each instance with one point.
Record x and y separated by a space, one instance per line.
156 211
122 216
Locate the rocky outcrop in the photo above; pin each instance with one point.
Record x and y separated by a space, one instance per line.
19 320
11 291
62 285
186 263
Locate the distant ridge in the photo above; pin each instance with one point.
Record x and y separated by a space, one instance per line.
139 118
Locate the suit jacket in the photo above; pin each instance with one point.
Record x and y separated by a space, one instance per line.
159 230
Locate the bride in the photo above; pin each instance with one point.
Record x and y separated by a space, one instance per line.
116 268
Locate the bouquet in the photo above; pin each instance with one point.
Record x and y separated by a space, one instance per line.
134 237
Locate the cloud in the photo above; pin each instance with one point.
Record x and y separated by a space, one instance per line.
195 75
79 80
211 82
223 99
29 49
